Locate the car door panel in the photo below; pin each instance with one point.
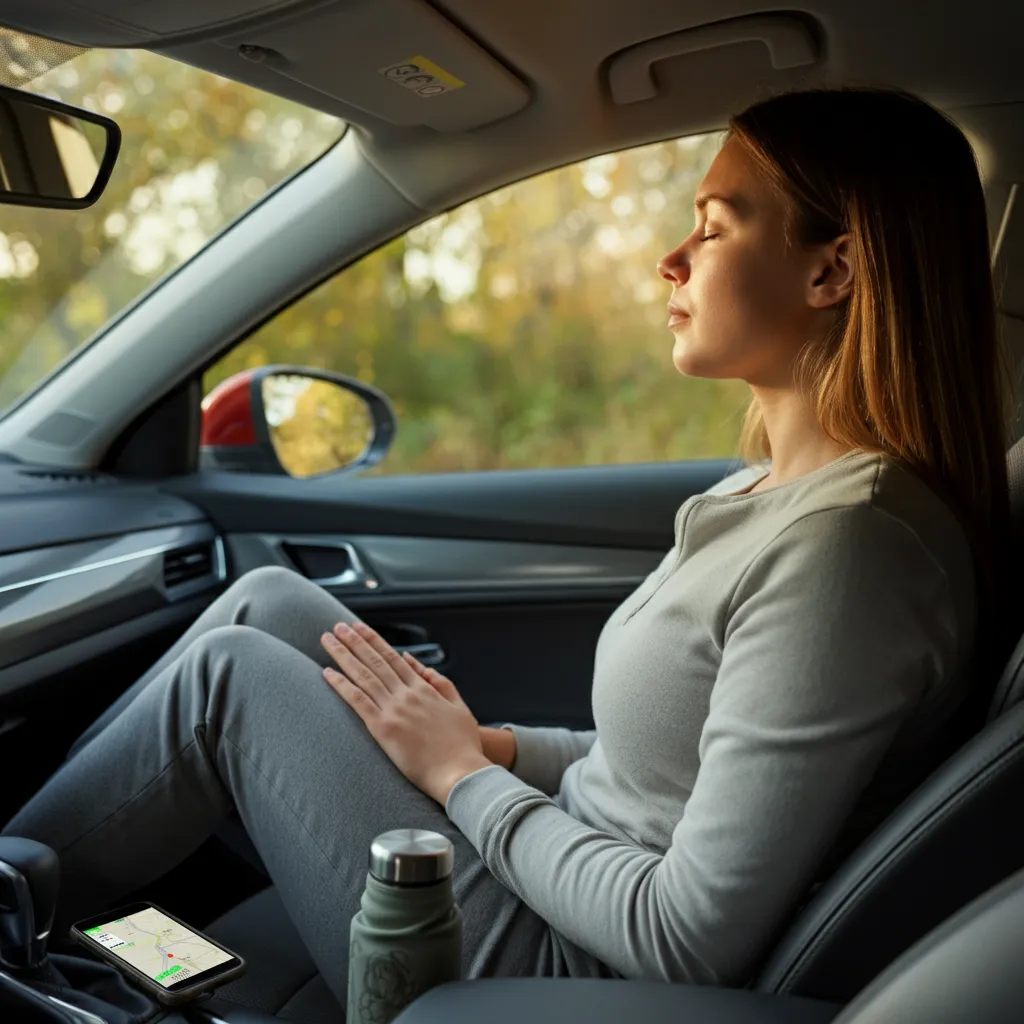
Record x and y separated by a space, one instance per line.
527 662
514 624
359 565
511 575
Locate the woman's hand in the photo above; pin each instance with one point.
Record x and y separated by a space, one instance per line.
432 738
499 745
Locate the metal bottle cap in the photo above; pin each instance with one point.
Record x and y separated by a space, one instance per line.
411 856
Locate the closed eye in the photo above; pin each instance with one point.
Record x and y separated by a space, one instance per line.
707 238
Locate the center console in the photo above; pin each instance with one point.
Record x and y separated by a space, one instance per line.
37 987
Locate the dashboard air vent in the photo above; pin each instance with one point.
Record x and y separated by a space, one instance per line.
59 477
190 563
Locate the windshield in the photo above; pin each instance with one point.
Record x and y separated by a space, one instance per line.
197 150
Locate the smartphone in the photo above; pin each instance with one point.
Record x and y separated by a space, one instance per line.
163 956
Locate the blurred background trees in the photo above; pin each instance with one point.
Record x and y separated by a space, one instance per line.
524 329
196 151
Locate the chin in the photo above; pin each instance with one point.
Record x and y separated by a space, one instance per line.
690 361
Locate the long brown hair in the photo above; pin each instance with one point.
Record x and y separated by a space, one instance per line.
912 367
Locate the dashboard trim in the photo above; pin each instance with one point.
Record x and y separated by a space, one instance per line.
219 573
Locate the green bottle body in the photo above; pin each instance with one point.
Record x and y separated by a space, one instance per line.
404 940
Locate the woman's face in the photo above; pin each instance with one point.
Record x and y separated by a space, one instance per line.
740 294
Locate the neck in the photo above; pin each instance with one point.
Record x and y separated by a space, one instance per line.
798 443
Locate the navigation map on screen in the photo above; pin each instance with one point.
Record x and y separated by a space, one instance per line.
161 948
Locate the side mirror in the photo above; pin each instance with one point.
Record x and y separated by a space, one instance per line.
295 420
53 154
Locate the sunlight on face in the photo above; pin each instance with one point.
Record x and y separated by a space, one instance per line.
738 302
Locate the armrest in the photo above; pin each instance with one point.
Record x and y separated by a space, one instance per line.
596 1001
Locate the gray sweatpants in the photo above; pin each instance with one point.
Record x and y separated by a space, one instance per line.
236 715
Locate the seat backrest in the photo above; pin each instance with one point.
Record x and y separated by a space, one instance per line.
955 837
967 970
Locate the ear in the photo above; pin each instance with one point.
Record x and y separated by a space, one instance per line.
831 277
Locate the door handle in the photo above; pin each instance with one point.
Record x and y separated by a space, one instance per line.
335 564
430 655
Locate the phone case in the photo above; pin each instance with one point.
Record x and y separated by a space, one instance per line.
147 984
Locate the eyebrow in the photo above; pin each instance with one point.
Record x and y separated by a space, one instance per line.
702 201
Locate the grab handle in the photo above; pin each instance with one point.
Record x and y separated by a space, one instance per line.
789 39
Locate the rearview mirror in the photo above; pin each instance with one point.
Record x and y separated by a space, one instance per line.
296 420
53 154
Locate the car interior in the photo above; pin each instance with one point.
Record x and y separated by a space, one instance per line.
121 522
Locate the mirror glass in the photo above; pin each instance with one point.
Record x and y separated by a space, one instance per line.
46 155
316 426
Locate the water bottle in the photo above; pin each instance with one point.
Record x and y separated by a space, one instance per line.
407 936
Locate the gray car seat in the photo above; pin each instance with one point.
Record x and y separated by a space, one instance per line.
955 837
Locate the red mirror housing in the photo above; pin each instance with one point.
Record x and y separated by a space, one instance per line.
227 413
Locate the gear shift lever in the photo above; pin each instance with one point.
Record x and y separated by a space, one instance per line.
29 876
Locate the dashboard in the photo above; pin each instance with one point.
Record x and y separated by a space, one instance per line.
84 556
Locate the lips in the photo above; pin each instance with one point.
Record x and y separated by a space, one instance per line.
676 316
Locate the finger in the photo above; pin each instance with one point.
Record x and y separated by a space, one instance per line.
383 650
369 657
444 686
417 666
356 671
352 695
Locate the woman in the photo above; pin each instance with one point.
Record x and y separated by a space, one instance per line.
780 681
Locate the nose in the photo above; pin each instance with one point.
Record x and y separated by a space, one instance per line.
674 266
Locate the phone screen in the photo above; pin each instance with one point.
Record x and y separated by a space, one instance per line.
159 946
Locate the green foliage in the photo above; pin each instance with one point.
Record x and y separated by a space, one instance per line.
527 328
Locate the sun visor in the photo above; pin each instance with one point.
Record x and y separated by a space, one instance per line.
398 60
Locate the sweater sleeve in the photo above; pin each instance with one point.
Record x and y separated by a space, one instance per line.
543 754
836 631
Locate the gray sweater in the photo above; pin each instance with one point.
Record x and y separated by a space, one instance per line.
785 667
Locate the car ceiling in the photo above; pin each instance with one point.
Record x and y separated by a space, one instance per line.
537 72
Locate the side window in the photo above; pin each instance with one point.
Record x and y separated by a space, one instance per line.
525 329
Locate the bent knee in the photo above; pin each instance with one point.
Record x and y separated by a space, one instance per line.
275 596
228 640
241 653
272 579
273 590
